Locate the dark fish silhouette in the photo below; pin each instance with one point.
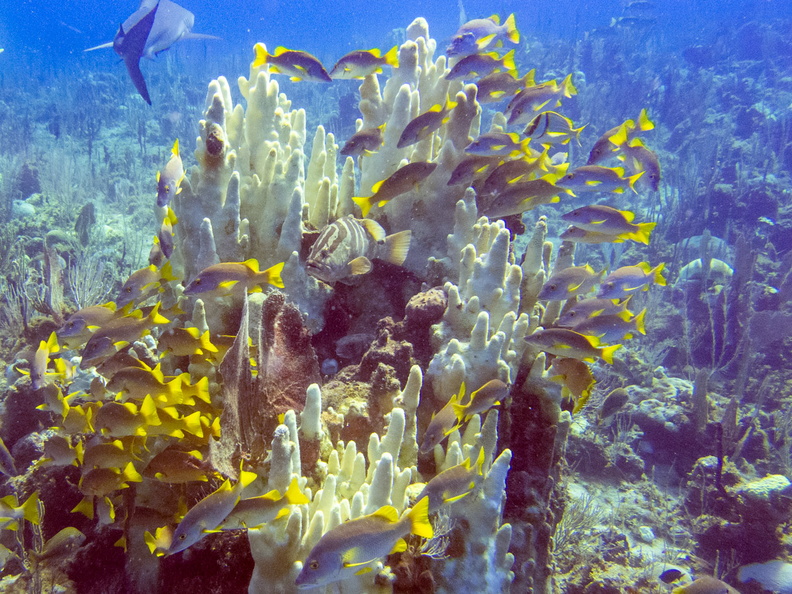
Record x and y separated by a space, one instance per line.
152 28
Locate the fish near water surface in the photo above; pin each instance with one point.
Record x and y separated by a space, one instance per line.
478 34
345 248
154 27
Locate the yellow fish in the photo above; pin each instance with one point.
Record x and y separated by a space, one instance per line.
120 420
348 548
298 65
453 483
227 276
170 178
12 513
564 342
255 511
361 63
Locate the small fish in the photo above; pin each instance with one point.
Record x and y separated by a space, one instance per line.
12 513
522 196
184 342
443 423
254 512
612 404
364 142
137 382
487 396
610 221
566 283
165 235
613 328
298 65
118 333
452 484
106 454
472 168
117 419
578 235
705 585
99 482
595 178
41 360
576 379
478 65
544 95
361 63
170 178
719 271
588 308
345 248
353 346
502 85
640 159
80 325
605 146
7 466
401 181
174 424
58 548
423 125
478 34
550 127
631 279
498 144
59 451
226 277
563 342
348 548
528 167
208 513
143 283
177 467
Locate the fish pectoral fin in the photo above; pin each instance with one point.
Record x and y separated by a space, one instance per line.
360 265
364 571
456 498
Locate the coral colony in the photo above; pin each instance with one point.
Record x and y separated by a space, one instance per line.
351 369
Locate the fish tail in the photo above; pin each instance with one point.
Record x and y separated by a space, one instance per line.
512 33
392 57
85 507
659 279
364 202
607 352
166 272
644 231
149 411
508 63
192 424
272 275
396 247
261 55
205 343
576 132
460 411
155 317
644 123
634 178
640 321
30 509
419 519
131 474
567 86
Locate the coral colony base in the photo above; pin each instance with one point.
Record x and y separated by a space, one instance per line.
186 436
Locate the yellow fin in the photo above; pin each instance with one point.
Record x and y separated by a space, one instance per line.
419 519
374 229
388 512
399 547
293 494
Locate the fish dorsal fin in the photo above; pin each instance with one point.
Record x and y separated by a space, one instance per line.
399 547
387 512
495 19
360 265
375 188
175 149
375 52
280 50
374 229
628 215
253 264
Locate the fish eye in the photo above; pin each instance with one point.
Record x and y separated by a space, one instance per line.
128 290
314 564
182 536
324 252
553 287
